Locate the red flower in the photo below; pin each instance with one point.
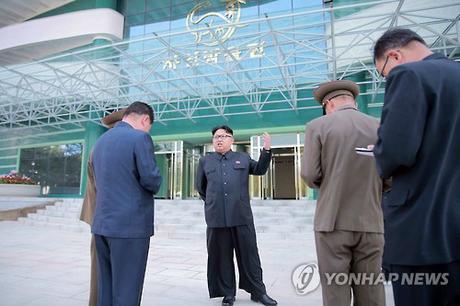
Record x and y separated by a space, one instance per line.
14 178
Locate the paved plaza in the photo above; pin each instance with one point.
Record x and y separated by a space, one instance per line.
49 266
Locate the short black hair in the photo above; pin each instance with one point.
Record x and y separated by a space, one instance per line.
140 108
222 127
395 38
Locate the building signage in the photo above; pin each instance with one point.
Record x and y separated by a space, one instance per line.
212 29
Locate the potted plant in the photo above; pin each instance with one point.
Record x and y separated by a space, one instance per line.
14 184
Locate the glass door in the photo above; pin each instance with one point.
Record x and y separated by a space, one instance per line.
192 157
169 155
283 180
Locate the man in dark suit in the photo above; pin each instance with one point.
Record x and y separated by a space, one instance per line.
419 147
89 206
222 182
126 177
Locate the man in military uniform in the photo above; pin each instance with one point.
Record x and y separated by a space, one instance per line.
348 219
222 182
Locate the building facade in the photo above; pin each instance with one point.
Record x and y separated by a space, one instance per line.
249 64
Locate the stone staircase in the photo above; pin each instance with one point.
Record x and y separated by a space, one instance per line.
64 214
184 219
283 218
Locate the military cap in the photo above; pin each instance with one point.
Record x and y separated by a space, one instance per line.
110 120
329 90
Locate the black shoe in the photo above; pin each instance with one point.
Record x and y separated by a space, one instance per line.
228 301
264 299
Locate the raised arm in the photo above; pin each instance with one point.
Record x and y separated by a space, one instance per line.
260 167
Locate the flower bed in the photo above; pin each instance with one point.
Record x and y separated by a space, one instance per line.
14 178
15 185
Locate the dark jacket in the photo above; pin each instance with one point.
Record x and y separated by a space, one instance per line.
126 178
419 146
223 181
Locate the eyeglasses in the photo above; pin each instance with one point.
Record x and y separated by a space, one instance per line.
222 137
383 68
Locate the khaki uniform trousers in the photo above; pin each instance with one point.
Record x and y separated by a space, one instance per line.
350 252
93 279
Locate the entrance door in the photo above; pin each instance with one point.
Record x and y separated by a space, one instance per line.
283 180
164 164
169 160
283 176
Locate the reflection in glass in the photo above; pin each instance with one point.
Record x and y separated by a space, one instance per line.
56 168
287 151
169 157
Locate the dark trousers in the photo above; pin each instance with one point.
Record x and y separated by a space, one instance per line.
221 271
121 266
426 294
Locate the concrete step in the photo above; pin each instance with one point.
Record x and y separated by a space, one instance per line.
283 203
258 210
59 213
294 228
51 219
254 203
77 227
69 205
265 220
185 219
71 210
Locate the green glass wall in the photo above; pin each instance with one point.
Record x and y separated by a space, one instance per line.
17 153
146 17
56 168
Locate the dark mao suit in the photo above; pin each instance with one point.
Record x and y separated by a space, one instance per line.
126 179
419 146
222 182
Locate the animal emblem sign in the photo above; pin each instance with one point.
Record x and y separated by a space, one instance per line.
214 28
211 29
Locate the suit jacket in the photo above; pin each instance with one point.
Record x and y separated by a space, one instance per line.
350 189
126 178
89 201
223 181
419 146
